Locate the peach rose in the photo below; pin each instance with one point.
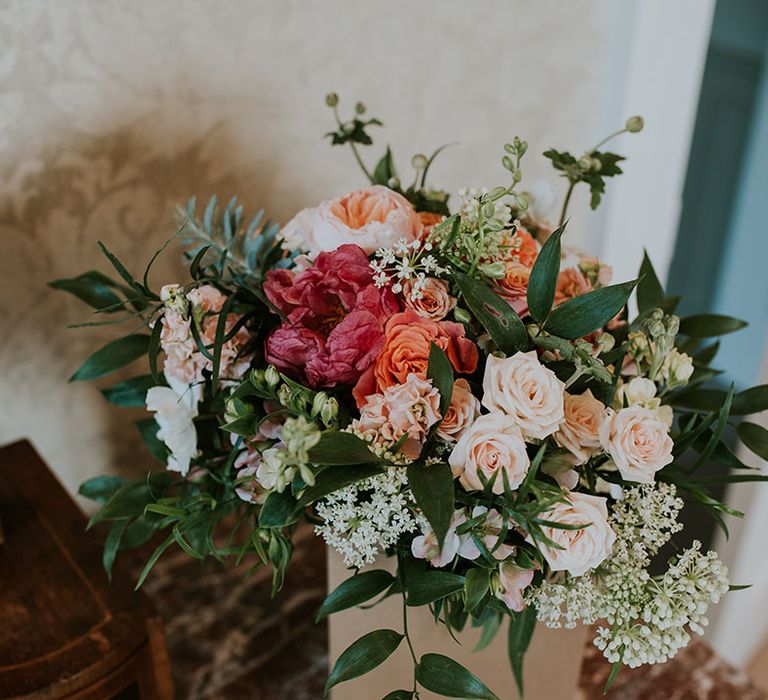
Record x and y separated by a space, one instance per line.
582 549
408 409
372 218
571 283
407 342
578 434
464 408
493 447
523 248
637 441
429 219
524 389
512 582
435 300
514 286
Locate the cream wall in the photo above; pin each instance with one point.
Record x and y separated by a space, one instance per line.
111 112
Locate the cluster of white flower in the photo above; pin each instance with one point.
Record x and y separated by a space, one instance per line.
363 519
406 266
470 205
649 616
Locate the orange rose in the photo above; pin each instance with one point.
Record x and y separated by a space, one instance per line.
429 220
514 286
523 248
571 283
407 341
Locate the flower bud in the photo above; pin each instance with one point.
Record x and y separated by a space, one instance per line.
331 99
507 162
419 161
393 183
271 377
330 411
318 402
634 124
360 108
495 270
462 315
585 163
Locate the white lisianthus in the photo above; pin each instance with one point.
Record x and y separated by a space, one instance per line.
638 442
521 387
426 546
174 417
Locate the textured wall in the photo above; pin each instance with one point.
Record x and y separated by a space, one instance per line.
112 112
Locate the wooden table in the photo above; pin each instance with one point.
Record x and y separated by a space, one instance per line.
64 630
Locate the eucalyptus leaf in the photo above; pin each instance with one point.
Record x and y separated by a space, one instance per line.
356 590
586 313
112 356
363 656
449 678
542 282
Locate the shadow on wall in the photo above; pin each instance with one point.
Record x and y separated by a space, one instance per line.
53 210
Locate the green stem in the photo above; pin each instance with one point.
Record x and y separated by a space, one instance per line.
401 576
354 148
481 239
608 138
571 185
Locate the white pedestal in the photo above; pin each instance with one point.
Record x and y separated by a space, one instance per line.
551 665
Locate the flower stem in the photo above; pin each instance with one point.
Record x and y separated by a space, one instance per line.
401 576
572 184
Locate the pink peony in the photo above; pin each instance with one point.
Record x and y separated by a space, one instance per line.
335 318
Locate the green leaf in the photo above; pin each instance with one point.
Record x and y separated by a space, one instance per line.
122 271
543 279
340 448
749 401
476 584
755 437
218 342
588 312
335 478
399 695
440 372
355 590
432 487
92 287
148 428
446 677
521 626
363 656
495 314
131 392
112 356
708 400
153 560
111 545
131 498
650 293
385 169
428 586
707 354
153 348
615 668
100 488
278 510
709 325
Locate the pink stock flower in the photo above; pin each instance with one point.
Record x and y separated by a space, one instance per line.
335 318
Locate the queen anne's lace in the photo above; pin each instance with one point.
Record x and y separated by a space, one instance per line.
649 616
363 519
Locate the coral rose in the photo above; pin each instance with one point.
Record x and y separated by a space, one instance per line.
637 441
571 283
408 338
461 413
523 388
514 286
581 549
493 447
523 248
371 218
578 434
434 299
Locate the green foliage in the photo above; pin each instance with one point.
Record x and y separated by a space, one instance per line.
521 626
592 169
710 325
586 313
100 488
356 590
543 280
432 487
112 356
440 371
131 392
495 314
755 437
341 448
363 656
278 510
446 677
94 288
428 586
650 293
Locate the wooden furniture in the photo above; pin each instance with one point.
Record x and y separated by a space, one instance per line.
65 632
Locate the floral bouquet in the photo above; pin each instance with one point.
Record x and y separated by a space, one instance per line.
455 390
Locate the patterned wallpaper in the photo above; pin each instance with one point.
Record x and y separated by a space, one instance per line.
113 112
